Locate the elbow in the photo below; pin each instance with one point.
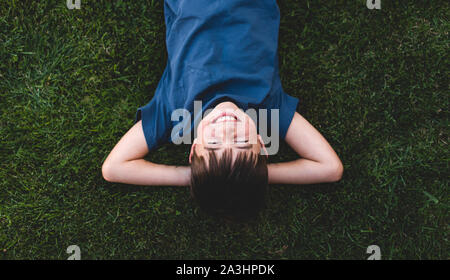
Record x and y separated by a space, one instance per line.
107 172
336 170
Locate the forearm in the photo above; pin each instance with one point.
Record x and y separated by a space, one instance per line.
303 171
318 162
145 173
126 164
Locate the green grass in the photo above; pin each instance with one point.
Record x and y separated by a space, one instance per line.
374 82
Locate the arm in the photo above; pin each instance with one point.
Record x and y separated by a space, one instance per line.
125 164
318 163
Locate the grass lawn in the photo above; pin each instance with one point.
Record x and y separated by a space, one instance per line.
374 82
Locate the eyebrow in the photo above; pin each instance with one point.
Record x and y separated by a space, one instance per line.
246 147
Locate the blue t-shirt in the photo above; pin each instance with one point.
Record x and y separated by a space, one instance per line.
221 50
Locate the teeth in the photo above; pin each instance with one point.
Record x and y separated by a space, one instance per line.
226 118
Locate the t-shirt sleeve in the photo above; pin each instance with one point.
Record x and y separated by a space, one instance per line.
155 123
288 107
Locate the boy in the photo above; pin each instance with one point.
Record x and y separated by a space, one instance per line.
224 54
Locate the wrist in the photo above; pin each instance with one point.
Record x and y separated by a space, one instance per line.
184 173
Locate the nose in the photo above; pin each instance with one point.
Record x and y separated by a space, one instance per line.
228 132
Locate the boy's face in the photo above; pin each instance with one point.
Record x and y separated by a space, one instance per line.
226 127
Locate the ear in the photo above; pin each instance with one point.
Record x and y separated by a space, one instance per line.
263 147
192 150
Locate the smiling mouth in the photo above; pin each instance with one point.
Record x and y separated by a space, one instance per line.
225 117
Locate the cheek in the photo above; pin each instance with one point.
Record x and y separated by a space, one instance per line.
207 133
251 132
246 130
200 132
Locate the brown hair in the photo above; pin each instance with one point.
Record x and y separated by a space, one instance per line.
234 191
